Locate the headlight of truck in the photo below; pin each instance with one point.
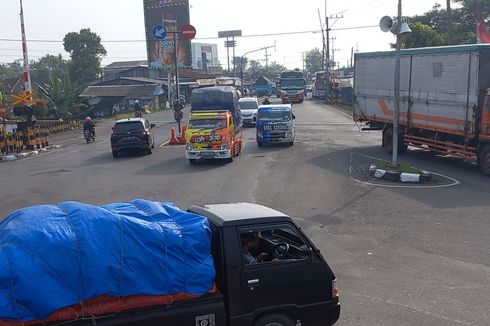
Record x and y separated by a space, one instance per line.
225 147
189 147
260 134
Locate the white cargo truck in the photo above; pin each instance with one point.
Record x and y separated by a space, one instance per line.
444 104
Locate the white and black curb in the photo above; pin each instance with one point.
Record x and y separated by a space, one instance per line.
394 176
19 156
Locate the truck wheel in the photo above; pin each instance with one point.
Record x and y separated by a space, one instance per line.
484 159
260 144
115 154
388 141
192 161
274 320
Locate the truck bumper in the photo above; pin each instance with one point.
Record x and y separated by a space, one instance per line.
276 140
208 154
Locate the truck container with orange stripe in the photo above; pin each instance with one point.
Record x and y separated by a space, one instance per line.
444 99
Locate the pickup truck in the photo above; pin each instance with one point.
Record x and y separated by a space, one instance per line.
291 283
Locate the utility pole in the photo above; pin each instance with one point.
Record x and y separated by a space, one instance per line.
449 23
267 57
396 116
234 59
228 54
352 57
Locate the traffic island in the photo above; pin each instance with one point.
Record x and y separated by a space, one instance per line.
402 173
374 171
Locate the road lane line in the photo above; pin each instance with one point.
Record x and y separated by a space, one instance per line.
164 144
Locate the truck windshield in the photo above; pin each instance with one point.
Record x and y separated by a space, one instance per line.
207 124
295 83
274 115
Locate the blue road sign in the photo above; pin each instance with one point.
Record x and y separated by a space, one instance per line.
159 32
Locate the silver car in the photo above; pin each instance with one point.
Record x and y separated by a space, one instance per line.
248 107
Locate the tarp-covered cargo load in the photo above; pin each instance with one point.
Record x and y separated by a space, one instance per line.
53 257
216 98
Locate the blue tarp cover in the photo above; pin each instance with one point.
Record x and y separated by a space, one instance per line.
52 257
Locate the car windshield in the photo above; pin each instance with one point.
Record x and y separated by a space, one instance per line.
207 123
248 105
124 127
274 115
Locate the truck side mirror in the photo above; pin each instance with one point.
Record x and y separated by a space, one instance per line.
152 125
294 117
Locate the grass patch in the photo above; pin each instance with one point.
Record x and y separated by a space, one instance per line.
402 168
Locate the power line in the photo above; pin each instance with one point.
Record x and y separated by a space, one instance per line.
203 38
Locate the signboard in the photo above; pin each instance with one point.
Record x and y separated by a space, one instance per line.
159 32
188 32
172 15
3 110
234 33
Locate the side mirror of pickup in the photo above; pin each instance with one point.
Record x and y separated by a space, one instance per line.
152 125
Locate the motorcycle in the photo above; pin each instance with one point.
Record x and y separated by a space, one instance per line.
89 136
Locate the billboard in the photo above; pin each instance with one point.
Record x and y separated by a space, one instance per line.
172 14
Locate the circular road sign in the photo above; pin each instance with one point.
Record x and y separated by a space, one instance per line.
188 32
159 32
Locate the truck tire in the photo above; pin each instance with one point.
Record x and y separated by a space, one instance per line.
388 141
192 161
115 154
484 159
274 320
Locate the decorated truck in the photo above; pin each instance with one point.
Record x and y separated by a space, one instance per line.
444 102
150 263
214 128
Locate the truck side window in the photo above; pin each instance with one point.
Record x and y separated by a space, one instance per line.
272 244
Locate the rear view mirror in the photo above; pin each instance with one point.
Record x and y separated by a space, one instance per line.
153 125
294 117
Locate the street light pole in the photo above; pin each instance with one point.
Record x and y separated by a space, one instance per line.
396 116
243 56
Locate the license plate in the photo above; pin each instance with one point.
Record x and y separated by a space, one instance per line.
132 138
207 154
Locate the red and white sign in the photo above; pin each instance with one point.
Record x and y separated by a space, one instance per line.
3 110
188 32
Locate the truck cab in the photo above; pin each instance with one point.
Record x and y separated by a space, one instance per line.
252 291
212 135
275 124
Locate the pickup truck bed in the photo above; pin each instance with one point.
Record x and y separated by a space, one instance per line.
190 312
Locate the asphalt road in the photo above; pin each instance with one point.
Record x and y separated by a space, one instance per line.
402 256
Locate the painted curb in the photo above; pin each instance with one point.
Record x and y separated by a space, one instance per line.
394 176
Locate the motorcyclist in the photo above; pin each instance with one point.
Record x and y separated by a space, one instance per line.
266 101
138 110
89 125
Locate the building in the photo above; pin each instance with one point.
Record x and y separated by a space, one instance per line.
206 51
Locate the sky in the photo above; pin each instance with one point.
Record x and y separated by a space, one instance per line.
122 20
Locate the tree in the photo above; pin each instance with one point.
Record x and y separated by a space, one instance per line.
313 60
63 97
423 36
431 28
86 52
49 67
237 61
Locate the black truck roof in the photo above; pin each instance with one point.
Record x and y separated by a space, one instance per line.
239 214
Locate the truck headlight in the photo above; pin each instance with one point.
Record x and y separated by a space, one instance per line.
225 147
260 134
189 147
